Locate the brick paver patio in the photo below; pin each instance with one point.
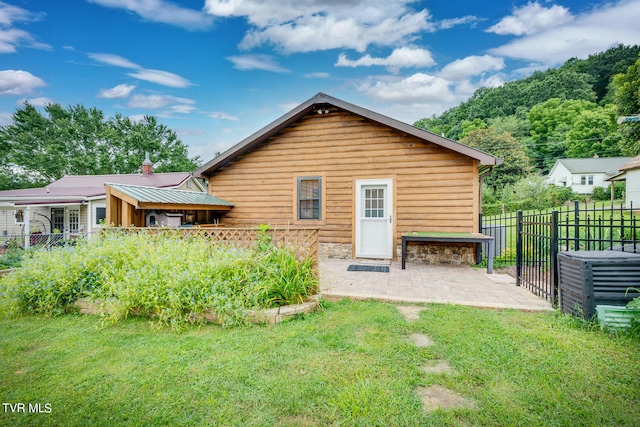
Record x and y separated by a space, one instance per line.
455 284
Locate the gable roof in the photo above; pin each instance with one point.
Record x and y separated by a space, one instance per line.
322 99
164 198
608 165
76 188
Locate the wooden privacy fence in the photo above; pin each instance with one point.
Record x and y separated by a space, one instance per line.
303 240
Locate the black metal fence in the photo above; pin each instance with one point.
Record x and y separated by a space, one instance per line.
531 241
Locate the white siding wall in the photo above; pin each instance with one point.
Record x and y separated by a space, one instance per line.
633 188
38 222
598 181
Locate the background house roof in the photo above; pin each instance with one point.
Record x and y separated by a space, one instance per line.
150 197
85 186
321 100
608 165
162 180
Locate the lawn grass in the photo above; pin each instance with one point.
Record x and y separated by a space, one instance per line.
350 364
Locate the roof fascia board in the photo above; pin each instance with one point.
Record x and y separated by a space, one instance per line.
122 196
166 206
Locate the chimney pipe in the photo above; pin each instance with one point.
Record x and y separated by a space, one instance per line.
147 166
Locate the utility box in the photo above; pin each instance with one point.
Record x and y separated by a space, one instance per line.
163 219
592 278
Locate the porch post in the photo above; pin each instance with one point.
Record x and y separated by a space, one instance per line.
89 207
27 227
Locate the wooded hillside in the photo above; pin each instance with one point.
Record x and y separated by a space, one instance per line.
570 111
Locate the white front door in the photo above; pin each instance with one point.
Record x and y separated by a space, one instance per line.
374 218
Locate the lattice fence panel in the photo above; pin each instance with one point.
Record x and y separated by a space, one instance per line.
303 240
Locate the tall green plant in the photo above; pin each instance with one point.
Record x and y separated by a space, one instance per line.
172 278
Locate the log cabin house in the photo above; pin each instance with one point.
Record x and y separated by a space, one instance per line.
361 178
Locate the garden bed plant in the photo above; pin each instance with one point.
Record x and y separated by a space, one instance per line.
168 276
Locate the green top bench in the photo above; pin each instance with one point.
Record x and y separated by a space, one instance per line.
435 237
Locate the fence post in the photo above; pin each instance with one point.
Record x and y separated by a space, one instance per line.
554 257
479 245
519 248
576 225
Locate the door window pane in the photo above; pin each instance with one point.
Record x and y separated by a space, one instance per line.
374 203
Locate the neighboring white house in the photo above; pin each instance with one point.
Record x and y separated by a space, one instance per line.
74 205
630 173
583 175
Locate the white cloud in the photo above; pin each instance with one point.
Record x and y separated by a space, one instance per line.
182 108
5 118
160 77
317 75
532 18
403 57
11 38
37 102
115 60
446 24
221 116
162 11
594 31
18 82
421 95
154 102
311 25
256 62
419 87
462 69
117 92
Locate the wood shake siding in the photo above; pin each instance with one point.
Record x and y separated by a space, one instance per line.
436 189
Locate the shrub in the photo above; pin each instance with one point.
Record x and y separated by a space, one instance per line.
174 278
604 194
12 257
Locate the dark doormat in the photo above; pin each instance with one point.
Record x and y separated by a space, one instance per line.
374 268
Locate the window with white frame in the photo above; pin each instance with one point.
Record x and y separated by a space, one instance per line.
99 215
19 216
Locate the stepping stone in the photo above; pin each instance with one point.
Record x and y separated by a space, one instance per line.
410 312
440 367
420 340
436 396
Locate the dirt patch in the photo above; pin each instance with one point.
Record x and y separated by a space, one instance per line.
410 312
436 396
297 421
420 340
440 366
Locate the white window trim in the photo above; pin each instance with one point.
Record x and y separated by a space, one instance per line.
94 212
15 216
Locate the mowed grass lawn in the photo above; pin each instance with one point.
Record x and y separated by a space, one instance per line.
350 364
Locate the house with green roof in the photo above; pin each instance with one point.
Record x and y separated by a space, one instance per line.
583 175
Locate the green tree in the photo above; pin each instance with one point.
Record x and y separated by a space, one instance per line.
469 126
550 123
627 98
43 147
594 132
603 66
515 163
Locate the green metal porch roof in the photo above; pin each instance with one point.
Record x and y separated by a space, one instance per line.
154 195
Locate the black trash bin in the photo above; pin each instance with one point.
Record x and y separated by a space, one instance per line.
591 278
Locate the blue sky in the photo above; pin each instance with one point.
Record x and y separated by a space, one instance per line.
216 71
